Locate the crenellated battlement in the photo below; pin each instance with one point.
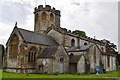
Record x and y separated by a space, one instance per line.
45 17
46 8
71 33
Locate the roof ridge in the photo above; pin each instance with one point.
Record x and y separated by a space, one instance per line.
26 30
34 32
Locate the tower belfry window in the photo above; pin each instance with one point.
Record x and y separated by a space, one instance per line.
44 16
51 17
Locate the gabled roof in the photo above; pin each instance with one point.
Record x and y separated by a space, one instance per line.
34 37
78 49
74 58
58 29
48 52
38 38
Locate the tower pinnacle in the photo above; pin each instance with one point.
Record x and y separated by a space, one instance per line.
16 24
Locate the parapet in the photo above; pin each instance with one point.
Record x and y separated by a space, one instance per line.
72 33
46 8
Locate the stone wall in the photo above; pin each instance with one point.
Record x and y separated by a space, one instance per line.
52 65
13 62
81 65
21 61
47 65
92 63
98 53
68 40
114 62
61 53
57 36
104 60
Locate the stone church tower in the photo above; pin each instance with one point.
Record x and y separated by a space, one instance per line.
45 17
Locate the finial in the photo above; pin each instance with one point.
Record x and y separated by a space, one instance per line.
16 24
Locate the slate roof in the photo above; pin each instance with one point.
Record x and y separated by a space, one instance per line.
38 38
74 58
48 52
78 49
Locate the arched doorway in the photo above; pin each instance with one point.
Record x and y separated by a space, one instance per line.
61 65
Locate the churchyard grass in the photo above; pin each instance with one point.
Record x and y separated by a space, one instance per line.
20 75
0 73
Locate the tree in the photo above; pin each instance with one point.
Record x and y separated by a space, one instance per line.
80 33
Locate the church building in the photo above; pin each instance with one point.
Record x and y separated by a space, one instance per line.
53 49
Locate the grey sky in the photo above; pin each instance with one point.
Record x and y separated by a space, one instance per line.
95 17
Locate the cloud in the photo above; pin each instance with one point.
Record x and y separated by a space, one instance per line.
14 11
76 3
10 12
96 18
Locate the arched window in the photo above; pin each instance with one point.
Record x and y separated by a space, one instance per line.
72 42
85 43
13 51
51 17
44 16
36 18
32 55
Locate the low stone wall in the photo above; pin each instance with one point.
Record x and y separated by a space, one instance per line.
20 70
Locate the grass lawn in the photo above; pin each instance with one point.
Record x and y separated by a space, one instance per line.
0 73
16 75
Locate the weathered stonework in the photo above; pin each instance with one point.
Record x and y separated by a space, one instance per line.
25 48
42 25
81 65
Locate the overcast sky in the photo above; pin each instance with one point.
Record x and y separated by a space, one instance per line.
96 17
